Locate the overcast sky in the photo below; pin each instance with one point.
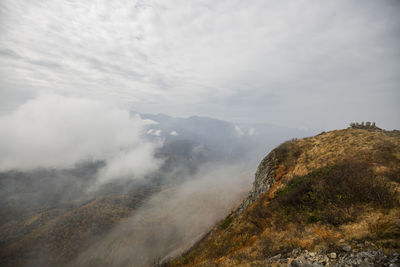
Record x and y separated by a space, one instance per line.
317 64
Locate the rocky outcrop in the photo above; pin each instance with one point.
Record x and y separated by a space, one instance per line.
264 179
362 125
360 256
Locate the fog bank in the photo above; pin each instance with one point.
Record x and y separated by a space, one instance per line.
171 220
55 131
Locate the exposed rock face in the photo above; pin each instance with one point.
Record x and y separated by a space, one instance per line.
367 125
264 179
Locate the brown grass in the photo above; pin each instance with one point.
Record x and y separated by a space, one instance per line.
332 188
60 233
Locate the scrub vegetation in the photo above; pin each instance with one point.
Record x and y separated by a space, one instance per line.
331 189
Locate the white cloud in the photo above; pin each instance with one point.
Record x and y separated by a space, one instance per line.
238 130
135 163
154 132
251 132
174 133
54 131
228 59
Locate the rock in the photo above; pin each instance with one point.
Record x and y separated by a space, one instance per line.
296 263
296 252
366 264
346 248
264 179
284 260
276 257
373 253
364 255
301 258
317 265
365 258
323 259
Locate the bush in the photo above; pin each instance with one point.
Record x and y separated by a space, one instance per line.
328 194
288 151
226 223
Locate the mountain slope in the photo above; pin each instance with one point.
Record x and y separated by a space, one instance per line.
53 236
325 194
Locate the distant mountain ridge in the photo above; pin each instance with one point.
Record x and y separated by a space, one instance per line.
223 137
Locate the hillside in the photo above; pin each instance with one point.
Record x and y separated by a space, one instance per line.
332 198
55 235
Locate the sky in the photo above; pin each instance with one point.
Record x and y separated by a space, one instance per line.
306 64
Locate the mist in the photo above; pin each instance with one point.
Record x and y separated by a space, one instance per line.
55 131
66 160
116 187
171 220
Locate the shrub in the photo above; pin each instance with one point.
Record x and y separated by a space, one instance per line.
328 194
226 223
288 151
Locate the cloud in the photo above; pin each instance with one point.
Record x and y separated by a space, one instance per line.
251 131
154 132
174 133
171 220
239 131
54 131
227 59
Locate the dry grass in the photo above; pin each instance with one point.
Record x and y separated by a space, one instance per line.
61 233
377 225
332 188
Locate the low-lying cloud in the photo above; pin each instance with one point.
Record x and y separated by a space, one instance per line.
171 220
55 131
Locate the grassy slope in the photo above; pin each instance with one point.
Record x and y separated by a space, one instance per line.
55 236
332 188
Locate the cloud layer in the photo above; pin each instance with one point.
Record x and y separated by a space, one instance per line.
295 61
171 220
54 131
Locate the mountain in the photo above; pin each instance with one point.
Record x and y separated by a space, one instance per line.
328 199
222 139
50 216
54 235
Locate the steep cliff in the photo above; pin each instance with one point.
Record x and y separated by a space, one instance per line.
336 194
